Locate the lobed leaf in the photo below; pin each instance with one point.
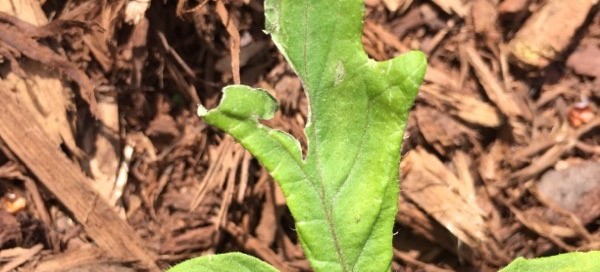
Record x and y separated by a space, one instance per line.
344 194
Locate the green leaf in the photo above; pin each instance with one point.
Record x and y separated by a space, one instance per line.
223 263
344 194
568 262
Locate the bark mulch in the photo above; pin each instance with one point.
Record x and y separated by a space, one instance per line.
105 166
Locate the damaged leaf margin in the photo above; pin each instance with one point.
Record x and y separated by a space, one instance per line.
344 193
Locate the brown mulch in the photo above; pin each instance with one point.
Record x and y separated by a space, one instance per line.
105 166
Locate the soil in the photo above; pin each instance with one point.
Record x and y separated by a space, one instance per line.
105 166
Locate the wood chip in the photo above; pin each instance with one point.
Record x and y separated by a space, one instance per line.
453 6
443 132
387 37
395 5
549 32
135 10
484 16
257 247
562 144
513 6
9 227
427 180
465 107
268 224
69 184
586 60
18 40
234 39
506 102
39 89
22 258
405 257
104 152
77 260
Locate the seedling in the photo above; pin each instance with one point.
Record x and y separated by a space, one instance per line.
343 193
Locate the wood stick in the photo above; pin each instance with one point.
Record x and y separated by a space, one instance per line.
29 142
505 101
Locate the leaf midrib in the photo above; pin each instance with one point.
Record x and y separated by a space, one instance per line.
321 193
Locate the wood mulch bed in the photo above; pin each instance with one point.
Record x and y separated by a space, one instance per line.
105 166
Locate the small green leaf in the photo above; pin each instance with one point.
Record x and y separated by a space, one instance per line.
344 194
223 263
568 262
